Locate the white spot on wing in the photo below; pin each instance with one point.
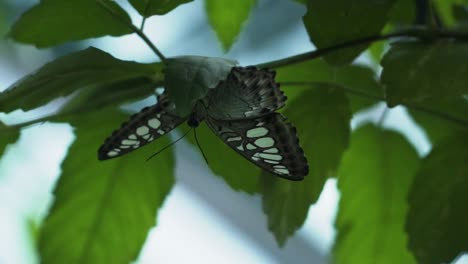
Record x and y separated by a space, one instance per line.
271 161
147 136
129 142
240 147
272 150
257 132
132 136
233 139
161 132
282 171
143 130
154 123
265 142
271 156
112 153
251 147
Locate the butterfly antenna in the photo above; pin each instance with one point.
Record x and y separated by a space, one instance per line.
168 146
199 146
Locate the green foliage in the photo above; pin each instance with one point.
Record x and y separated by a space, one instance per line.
188 79
245 176
437 218
91 68
8 135
355 78
374 179
54 22
324 133
414 72
148 8
226 18
104 210
438 128
333 22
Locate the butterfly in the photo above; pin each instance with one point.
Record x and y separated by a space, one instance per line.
241 110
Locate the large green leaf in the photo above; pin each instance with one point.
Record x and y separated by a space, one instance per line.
149 8
374 179
330 22
8 135
227 17
188 79
61 77
359 79
322 118
437 219
103 210
415 71
53 22
115 94
438 128
239 174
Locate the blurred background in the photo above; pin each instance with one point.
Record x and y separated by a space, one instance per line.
202 220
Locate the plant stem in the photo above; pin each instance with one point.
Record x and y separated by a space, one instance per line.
134 29
413 32
416 107
143 21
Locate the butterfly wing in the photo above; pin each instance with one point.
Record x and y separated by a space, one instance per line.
270 142
246 93
142 128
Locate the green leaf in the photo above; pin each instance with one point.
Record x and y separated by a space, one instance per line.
403 13
8 135
438 128
237 172
444 9
460 13
103 210
227 17
54 22
61 77
331 22
414 71
374 179
437 219
352 78
148 8
188 79
115 94
322 119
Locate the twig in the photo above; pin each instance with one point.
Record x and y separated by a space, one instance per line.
413 32
416 107
143 21
134 29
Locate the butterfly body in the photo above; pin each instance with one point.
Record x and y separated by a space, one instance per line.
240 111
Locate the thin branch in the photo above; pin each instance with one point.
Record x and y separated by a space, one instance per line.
134 29
417 107
142 26
422 33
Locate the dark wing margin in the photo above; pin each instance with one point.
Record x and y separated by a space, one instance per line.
142 128
246 93
270 142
